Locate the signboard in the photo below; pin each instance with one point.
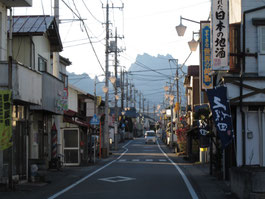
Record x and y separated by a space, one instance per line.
61 103
5 120
94 120
98 100
221 113
206 67
220 35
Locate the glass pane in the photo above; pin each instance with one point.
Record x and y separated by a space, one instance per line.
71 156
70 138
263 39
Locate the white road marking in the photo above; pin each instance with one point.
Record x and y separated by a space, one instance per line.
89 175
184 177
122 160
149 160
135 160
162 160
116 179
149 150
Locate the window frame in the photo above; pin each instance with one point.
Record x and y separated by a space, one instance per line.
261 39
45 61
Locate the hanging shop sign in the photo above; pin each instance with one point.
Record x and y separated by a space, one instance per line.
221 113
99 99
5 120
206 67
220 35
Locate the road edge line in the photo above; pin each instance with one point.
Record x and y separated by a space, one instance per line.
184 177
89 175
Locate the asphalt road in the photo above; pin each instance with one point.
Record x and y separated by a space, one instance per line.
140 171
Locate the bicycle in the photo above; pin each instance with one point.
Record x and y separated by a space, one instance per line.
57 163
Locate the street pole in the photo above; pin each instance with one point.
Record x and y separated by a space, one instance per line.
10 86
139 102
127 90
116 92
154 112
143 105
122 90
106 129
178 101
134 99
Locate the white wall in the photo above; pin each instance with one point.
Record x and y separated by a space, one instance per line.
3 33
42 47
234 11
72 99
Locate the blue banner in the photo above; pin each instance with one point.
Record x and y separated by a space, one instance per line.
221 113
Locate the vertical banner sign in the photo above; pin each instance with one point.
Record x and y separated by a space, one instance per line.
206 67
220 35
221 113
5 120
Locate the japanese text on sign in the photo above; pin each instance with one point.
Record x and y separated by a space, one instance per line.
207 80
220 34
221 113
5 120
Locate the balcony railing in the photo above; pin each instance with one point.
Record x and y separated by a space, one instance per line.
26 83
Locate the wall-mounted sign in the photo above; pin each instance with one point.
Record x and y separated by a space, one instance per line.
206 67
220 35
5 120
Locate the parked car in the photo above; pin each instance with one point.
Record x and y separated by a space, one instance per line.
150 137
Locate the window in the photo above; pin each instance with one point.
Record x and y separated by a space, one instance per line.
42 64
262 39
234 34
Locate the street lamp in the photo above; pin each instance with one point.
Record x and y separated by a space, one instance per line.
193 44
181 28
105 89
112 79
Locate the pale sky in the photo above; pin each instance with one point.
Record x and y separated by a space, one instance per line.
148 26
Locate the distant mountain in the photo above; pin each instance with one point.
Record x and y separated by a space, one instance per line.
148 73
85 83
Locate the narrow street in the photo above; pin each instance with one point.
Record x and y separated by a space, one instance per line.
142 171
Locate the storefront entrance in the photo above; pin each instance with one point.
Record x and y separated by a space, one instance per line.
71 147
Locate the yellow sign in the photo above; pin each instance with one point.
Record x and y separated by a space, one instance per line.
176 108
98 100
5 120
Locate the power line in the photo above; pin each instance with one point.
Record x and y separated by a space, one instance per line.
86 33
91 12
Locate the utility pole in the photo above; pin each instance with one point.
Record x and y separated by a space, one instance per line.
147 108
134 98
127 89
178 101
95 95
154 112
139 102
105 149
10 87
130 95
122 89
116 92
143 104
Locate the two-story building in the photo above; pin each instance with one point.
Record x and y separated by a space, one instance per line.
15 77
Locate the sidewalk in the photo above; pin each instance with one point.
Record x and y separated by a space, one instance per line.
205 185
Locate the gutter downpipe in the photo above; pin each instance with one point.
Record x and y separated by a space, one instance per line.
241 83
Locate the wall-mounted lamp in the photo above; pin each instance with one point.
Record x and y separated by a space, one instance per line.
181 28
193 44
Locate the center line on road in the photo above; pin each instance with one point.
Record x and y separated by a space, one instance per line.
149 160
184 177
89 175
135 160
